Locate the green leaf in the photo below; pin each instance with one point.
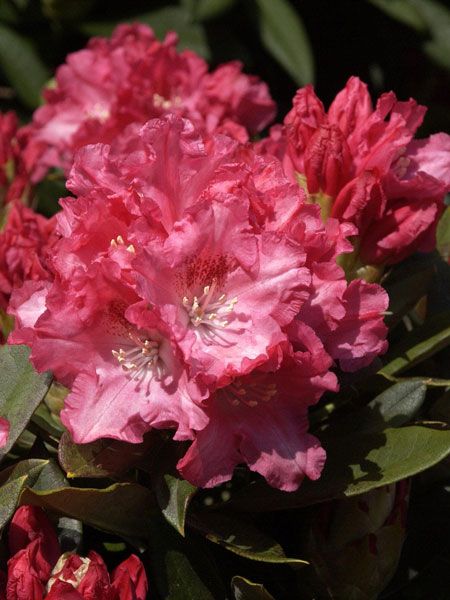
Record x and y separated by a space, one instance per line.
181 569
443 234
420 344
102 458
240 537
402 10
21 390
394 407
407 283
124 509
202 10
243 589
17 478
284 36
22 66
369 461
172 492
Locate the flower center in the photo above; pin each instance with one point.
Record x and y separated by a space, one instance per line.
161 102
257 389
209 309
141 361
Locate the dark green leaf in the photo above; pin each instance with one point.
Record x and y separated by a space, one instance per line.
284 35
102 458
420 344
22 66
356 465
402 10
443 234
124 509
240 537
243 589
22 474
172 492
181 569
397 405
21 390
202 10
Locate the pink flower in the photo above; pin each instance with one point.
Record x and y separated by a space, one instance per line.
37 570
362 166
4 431
133 77
191 276
24 244
17 160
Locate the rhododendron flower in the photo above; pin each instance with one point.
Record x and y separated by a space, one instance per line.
133 77
362 166
189 278
4 431
24 242
18 155
37 570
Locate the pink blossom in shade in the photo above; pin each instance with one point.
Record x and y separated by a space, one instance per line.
18 156
131 78
24 245
261 420
4 431
362 165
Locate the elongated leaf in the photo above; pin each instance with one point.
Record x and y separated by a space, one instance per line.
124 509
419 345
103 458
181 568
402 10
243 589
172 492
240 537
285 37
356 465
21 390
443 234
22 66
21 475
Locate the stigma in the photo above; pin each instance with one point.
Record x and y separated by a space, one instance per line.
141 361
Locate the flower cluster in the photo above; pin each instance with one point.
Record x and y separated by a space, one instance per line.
190 283
134 77
194 289
362 166
38 570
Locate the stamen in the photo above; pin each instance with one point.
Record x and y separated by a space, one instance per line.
142 361
207 311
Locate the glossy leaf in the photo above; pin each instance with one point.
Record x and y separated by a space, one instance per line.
22 66
21 390
285 37
240 537
243 589
124 509
102 458
356 465
181 568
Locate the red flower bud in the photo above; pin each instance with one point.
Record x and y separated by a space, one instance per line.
130 580
30 525
327 161
24 580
